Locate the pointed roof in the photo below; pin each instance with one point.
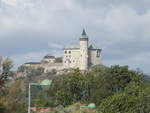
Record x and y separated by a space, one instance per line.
83 33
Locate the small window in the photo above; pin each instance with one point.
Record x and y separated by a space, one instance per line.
69 51
98 53
65 51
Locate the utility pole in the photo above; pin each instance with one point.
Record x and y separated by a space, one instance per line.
29 97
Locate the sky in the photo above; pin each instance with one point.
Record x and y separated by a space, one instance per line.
30 29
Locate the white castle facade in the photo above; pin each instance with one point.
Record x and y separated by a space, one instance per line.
81 56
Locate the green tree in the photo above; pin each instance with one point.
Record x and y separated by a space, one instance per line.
64 97
94 86
134 99
107 81
70 88
41 100
11 100
5 70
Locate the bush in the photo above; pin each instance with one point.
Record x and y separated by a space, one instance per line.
134 99
94 86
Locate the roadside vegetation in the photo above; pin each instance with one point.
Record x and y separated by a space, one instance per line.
114 89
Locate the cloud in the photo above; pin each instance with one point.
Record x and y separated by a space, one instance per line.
140 60
19 59
140 5
55 46
120 28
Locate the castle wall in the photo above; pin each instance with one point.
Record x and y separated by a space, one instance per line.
94 55
53 66
71 58
48 60
34 66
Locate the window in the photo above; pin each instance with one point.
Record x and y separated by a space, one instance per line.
98 53
69 51
65 51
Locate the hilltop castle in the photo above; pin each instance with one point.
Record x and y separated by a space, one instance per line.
82 56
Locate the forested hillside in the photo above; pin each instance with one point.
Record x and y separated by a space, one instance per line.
114 89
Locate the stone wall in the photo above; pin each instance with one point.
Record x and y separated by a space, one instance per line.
71 58
94 57
52 66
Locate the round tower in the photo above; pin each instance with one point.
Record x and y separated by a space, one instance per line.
84 51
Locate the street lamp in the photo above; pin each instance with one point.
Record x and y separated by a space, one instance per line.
43 83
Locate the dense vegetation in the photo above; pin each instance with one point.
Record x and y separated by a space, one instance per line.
114 89
11 94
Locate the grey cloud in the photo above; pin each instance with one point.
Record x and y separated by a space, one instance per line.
120 28
126 49
26 42
140 6
134 62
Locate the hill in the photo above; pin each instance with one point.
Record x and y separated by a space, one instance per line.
114 89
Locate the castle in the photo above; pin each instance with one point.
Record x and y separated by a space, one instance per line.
81 56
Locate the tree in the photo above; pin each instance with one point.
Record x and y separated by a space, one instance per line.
21 69
70 88
11 101
35 72
134 99
101 84
41 100
5 70
64 97
107 81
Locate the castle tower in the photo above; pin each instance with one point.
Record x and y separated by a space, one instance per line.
84 51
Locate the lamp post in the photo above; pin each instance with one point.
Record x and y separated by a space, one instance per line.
29 97
43 83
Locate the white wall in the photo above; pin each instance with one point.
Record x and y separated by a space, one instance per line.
48 60
71 58
54 66
94 59
84 54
